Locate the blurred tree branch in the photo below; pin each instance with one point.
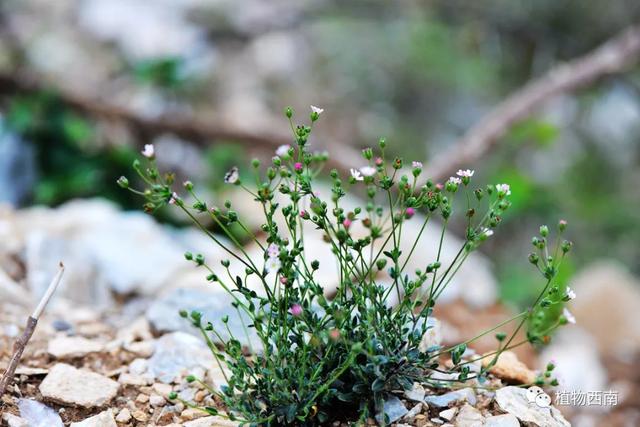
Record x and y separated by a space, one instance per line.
614 56
200 132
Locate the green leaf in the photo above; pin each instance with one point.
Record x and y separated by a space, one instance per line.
378 385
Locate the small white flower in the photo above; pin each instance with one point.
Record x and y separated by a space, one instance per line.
567 315
283 150
368 170
149 151
503 188
232 176
272 265
355 173
487 232
455 180
465 173
416 164
317 109
570 293
173 198
273 250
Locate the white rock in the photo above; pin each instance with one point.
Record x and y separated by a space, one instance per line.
101 246
433 336
143 31
64 347
138 366
513 400
70 386
416 393
443 400
14 421
448 414
570 370
176 354
606 306
38 415
468 416
139 380
505 420
413 412
211 422
394 409
10 291
124 416
164 315
156 400
103 419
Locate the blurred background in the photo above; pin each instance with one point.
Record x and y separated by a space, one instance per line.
85 84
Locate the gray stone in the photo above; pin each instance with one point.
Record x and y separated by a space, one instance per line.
513 400
70 386
17 166
394 409
468 416
505 420
103 419
448 414
38 415
176 355
124 416
14 421
163 315
432 338
416 393
413 412
444 400
211 422
70 347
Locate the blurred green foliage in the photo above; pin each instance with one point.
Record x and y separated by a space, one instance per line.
69 163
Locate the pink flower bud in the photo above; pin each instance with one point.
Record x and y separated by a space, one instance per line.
283 280
298 167
410 212
296 310
346 223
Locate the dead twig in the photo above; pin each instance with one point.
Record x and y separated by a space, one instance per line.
21 342
614 56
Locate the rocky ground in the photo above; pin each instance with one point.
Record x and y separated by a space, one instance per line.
111 346
80 370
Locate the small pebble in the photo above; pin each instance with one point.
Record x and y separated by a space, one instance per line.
124 416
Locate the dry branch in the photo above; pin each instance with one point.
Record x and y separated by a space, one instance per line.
614 56
200 132
23 340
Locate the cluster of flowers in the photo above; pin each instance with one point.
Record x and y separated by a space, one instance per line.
322 356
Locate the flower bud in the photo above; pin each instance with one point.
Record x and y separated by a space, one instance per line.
188 256
534 258
288 112
562 225
188 185
123 182
544 230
